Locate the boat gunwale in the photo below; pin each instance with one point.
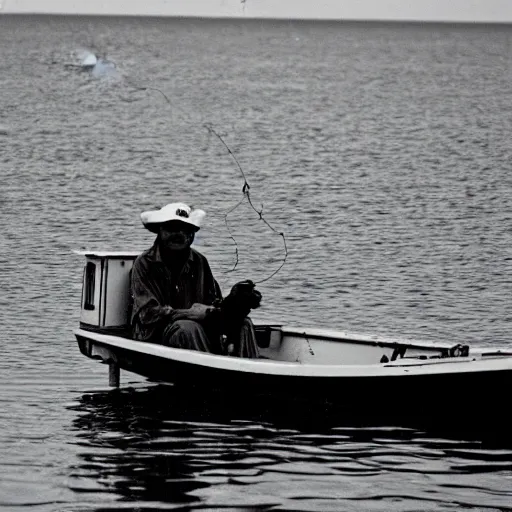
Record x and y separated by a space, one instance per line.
361 339
108 254
268 367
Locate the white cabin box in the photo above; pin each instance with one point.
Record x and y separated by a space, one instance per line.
106 300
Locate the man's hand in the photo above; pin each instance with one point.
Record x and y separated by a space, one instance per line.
197 312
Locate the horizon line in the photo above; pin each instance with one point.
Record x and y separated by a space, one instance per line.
259 18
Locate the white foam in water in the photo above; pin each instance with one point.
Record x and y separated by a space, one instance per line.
103 68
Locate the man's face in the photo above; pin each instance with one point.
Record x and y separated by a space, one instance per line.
176 235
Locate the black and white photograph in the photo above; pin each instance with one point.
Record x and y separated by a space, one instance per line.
255 255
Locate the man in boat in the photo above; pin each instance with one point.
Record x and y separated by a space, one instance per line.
176 300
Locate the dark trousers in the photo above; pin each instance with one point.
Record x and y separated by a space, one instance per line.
193 336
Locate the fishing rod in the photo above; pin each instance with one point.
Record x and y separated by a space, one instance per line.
245 188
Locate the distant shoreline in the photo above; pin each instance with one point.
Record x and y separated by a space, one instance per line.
259 19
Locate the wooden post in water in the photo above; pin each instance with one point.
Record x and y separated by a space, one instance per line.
114 373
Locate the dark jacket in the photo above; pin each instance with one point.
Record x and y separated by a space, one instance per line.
157 290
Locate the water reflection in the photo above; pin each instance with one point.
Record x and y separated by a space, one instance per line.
132 450
154 447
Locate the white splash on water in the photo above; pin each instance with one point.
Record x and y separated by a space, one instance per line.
104 68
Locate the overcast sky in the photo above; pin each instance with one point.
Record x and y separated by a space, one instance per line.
442 10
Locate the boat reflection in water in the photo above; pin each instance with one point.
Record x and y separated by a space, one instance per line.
154 444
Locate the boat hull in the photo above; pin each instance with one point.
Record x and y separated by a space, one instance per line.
398 393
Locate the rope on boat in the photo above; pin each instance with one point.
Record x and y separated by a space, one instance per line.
245 189
309 344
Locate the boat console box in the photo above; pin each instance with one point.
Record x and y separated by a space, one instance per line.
106 292
365 371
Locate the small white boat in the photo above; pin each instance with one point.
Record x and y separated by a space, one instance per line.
89 61
369 372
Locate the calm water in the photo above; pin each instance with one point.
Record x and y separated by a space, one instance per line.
381 151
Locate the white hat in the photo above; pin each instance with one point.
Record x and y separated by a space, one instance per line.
173 211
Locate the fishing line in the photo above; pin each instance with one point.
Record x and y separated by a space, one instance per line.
245 189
